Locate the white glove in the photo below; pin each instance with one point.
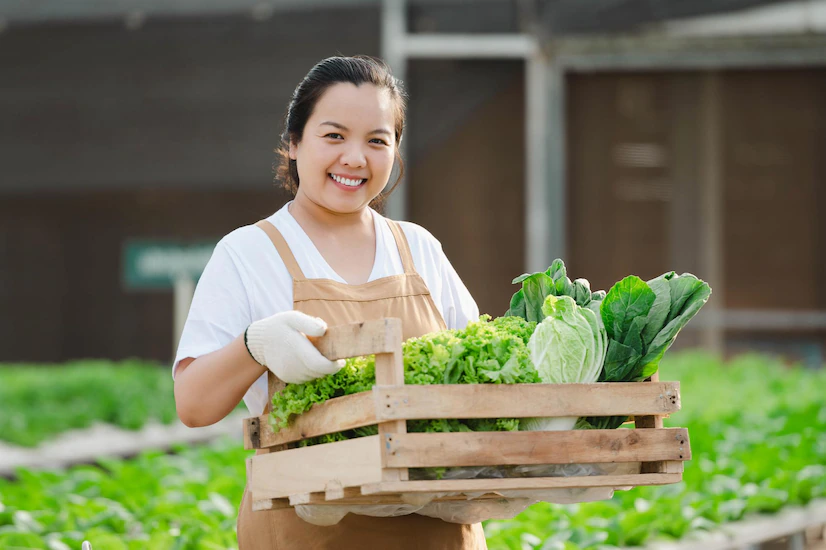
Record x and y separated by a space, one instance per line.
279 343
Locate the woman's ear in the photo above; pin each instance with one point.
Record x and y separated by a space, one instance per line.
293 150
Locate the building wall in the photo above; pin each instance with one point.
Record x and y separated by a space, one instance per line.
62 294
639 161
470 192
167 132
175 104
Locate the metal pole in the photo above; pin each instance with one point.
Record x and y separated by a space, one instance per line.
393 35
553 220
711 184
538 205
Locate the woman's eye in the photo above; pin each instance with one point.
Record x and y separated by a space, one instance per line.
378 140
334 135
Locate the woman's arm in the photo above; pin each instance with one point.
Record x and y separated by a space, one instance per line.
208 388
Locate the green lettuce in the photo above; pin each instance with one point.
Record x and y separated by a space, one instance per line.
485 352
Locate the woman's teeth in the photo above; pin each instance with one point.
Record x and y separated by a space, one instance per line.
347 182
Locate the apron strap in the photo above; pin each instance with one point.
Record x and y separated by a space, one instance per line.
283 249
403 246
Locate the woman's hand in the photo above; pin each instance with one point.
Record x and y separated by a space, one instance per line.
281 344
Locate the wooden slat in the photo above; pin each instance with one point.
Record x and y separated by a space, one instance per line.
526 400
469 401
517 484
390 372
335 415
357 339
427 450
311 469
274 385
652 422
252 433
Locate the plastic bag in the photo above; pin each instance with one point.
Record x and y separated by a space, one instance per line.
475 509
330 514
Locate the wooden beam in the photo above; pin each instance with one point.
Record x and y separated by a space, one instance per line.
335 415
312 469
390 371
358 339
430 450
525 400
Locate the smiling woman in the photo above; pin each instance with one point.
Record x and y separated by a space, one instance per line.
347 146
348 102
326 258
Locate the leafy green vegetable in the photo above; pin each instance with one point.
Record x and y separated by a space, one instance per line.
642 321
485 352
658 314
628 299
688 294
568 347
527 302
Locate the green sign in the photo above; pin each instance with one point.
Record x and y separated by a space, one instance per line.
157 264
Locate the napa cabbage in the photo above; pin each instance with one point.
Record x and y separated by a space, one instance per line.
567 347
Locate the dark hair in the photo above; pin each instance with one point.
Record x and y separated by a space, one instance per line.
333 70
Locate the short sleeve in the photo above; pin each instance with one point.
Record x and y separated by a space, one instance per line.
458 306
220 308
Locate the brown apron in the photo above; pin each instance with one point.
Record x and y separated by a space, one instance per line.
404 296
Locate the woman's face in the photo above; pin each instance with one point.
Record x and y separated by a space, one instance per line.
346 154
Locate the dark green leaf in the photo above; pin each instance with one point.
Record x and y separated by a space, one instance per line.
666 336
582 292
536 287
651 367
557 270
627 299
517 307
564 287
633 337
620 361
658 315
682 287
520 278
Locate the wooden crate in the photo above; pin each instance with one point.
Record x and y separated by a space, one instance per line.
374 469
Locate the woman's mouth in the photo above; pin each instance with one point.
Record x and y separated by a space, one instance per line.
348 184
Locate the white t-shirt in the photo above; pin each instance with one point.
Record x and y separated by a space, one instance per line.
246 280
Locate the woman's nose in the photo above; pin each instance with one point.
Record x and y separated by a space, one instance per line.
354 156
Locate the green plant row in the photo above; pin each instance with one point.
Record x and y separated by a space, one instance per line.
758 437
43 401
758 440
186 500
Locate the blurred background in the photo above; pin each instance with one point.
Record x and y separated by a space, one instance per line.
624 136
